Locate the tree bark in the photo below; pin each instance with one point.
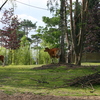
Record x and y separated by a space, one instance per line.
82 30
63 31
77 32
73 37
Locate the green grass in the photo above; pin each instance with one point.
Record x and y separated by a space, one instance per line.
22 78
91 63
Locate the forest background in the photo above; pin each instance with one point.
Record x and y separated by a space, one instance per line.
74 27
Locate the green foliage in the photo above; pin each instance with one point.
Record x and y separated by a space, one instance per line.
21 56
51 21
27 25
50 34
24 56
44 57
92 3
36 39
52 37
24 41
53 5
2 51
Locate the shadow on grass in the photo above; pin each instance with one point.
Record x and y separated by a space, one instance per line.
35 78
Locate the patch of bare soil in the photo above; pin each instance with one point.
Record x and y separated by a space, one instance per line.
30 96
50 66
68 66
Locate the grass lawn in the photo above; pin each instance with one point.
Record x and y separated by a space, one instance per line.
91 64
22 78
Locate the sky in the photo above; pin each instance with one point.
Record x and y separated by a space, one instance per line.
34 12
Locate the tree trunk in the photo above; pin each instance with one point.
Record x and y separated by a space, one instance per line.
77 32
82 30
73 37
63 30
68 53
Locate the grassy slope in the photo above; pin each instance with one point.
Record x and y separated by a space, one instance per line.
21 78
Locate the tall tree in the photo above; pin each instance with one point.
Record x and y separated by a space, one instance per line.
50 34
78 22
92 38
78 27
27 26
9 31
62 25
63 29
36 39
8 34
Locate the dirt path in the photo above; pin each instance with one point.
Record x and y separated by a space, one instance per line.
30 96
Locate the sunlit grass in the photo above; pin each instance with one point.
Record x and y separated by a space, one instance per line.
91 64
23 78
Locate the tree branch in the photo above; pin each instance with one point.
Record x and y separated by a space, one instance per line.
3 4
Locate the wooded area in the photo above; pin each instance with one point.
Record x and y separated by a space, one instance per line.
74 29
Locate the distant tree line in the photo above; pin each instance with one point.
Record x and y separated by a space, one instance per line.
14 38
